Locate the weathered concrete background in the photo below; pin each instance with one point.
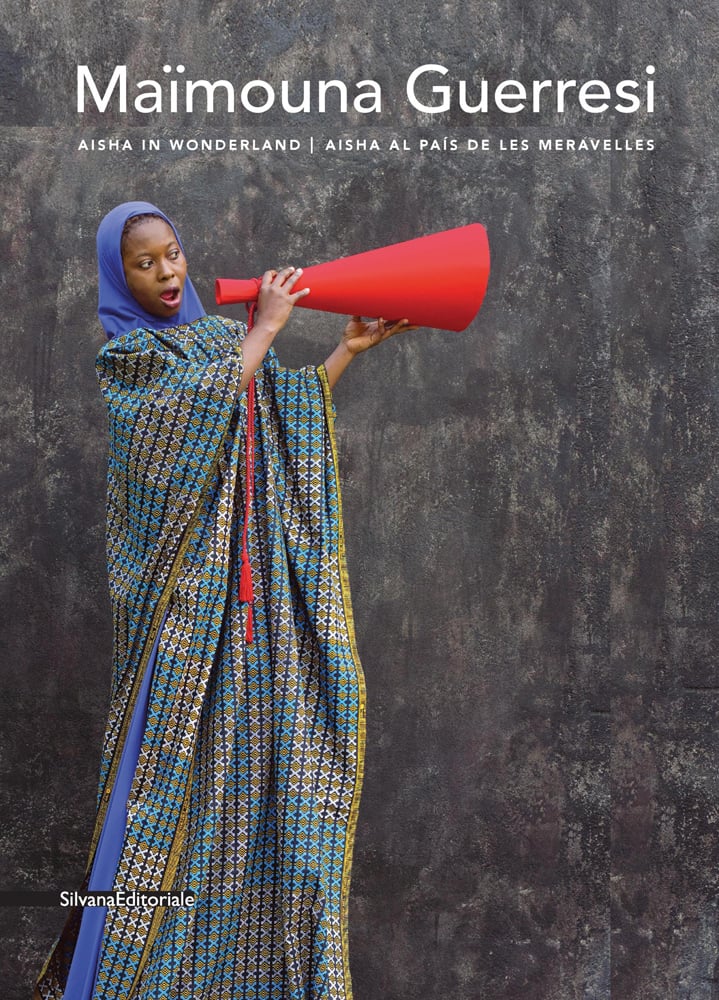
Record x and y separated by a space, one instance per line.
530 505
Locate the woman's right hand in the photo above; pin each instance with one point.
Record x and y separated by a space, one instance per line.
274 305
277 298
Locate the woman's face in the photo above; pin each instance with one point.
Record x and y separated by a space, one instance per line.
155 267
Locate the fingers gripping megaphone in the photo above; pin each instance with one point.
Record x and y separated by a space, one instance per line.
437 280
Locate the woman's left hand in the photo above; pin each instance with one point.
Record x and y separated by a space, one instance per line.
359 336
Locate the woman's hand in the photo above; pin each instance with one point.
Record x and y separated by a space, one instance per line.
359 336
274 305
277 298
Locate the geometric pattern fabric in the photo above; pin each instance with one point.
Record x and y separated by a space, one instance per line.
247 784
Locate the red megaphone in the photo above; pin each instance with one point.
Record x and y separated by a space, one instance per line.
436 280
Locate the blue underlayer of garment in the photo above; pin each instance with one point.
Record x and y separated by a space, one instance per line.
83 970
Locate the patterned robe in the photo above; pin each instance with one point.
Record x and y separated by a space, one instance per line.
247 783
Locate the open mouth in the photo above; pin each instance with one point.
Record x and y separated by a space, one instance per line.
171 297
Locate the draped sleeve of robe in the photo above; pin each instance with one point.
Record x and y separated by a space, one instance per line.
247 781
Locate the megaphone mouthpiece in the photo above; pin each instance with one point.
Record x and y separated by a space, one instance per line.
229 290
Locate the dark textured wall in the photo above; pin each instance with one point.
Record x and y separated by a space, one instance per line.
530 505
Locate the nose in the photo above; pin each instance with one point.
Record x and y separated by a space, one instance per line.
166 270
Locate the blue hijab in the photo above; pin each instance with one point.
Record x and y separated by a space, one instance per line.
118 310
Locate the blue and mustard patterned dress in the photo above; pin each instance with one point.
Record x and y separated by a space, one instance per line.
246 786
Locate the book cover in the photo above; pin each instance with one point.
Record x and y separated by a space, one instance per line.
529 504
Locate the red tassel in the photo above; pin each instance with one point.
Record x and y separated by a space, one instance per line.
248 626
247 591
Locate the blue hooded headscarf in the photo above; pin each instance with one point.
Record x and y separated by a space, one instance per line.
117 308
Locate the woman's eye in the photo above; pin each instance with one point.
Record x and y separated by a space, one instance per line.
174 254
145 264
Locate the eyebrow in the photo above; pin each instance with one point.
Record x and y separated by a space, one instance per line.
148 253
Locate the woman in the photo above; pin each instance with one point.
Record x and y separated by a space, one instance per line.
232 759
